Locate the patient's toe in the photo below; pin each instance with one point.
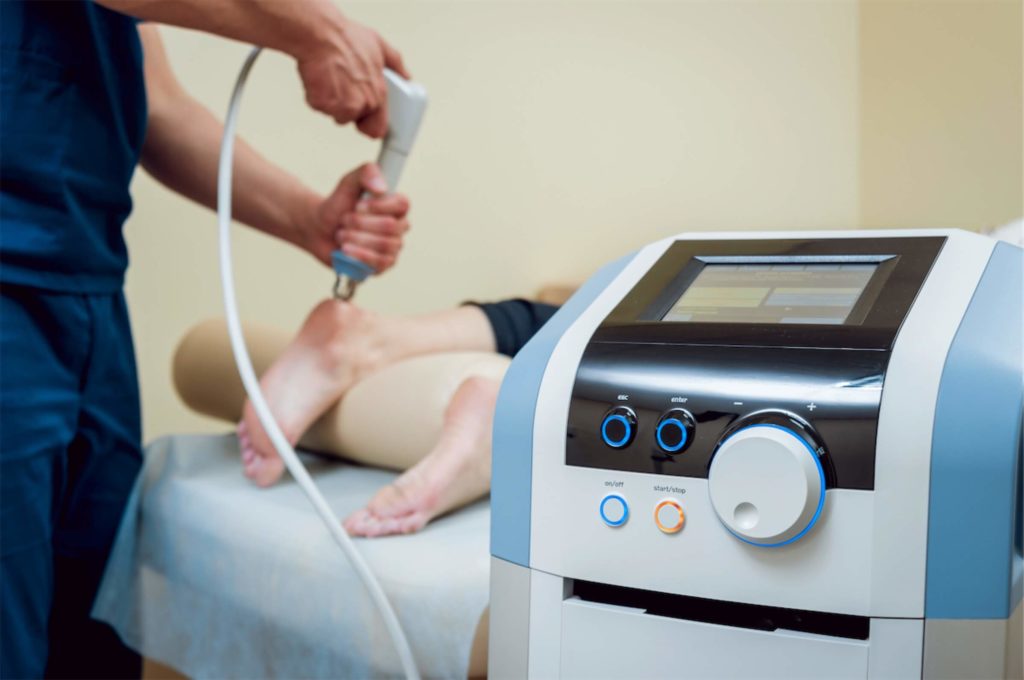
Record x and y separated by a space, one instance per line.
412 523
359 522
395 500
264 470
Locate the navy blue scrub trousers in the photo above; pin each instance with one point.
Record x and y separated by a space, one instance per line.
69 456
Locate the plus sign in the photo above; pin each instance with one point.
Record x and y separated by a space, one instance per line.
812 406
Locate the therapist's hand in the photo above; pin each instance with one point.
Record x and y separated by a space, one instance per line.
370 229
343 76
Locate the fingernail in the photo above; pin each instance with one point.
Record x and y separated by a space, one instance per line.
378 184
363 207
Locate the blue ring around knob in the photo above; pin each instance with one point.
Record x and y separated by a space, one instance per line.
821 476
625 437
683 438
625 510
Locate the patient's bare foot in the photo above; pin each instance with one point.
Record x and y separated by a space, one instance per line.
456 472
337 345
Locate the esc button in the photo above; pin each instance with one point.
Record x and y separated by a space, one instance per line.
618 427
614 510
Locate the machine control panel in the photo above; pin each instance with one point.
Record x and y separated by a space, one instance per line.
719 335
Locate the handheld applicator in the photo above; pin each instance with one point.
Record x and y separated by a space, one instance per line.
407 103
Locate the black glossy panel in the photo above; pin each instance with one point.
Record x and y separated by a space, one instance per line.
836 392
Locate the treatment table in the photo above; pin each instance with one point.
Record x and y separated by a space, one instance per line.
217 578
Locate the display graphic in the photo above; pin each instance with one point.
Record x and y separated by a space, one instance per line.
822 293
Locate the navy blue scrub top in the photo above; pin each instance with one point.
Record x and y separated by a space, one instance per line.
72 122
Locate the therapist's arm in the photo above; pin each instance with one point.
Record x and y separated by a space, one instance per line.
340 60
181 151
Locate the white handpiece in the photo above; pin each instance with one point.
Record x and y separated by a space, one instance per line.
407 102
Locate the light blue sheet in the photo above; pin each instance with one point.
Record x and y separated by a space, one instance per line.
220 579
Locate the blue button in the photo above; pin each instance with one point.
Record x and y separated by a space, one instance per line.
627 431
684 434
614 510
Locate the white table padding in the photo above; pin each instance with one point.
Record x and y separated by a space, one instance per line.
221 579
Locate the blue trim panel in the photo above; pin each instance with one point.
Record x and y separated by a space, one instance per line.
512 465
976 454
821 499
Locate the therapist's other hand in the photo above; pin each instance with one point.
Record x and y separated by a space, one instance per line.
370 229
343 76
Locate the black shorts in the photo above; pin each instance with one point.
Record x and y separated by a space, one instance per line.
514 322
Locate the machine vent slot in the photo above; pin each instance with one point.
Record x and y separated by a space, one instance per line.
737 614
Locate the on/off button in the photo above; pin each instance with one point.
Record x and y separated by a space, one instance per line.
614 510
669 517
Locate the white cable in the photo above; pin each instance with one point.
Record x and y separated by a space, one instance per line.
252 386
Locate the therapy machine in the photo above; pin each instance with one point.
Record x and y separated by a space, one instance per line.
767 455
406 106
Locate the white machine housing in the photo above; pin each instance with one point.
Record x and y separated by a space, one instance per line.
869 587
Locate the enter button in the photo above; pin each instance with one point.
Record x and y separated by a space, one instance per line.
669 517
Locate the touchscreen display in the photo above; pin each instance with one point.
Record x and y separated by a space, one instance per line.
773 293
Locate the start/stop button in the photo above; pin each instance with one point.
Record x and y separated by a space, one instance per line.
669 516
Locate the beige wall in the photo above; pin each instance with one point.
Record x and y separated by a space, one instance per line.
561 135
940 126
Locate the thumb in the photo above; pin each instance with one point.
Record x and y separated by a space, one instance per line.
344 196
372 179
393 59
367 177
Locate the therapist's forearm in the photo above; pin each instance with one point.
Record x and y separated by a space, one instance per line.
341 62
182 150
296 27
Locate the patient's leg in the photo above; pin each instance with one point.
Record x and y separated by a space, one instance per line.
338 345
457 470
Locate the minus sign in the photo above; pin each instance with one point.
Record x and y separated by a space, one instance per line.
737 403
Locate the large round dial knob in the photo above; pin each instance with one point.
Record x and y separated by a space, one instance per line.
767 485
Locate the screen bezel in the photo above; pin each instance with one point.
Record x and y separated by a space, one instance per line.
902 265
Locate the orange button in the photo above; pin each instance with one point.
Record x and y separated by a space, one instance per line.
669 517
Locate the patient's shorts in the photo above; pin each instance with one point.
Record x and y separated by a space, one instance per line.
514 322
69 455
